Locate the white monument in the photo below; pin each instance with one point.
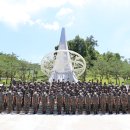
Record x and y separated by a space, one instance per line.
63 64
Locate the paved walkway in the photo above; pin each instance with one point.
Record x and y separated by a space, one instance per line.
64 122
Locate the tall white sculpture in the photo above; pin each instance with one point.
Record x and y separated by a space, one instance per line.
63 64
62 69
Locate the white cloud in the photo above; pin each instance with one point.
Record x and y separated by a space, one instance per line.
64 11
19 12
52 26
49 26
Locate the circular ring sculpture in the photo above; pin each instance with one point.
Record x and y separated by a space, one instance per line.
76 60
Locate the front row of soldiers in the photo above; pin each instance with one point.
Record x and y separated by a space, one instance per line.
65 99
67 103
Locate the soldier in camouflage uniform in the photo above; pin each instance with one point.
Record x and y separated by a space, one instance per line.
5 100
103 101
18 102
117 103
129 100
111 102
88 102
14 99
95 102
59 102
44 100
124 102
80 103
67 102
35 102
73 104
9 99
1 101
51 102
26 102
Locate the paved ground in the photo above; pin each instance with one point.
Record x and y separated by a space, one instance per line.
64 122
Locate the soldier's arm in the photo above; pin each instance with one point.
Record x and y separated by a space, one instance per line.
32 99
62 99
4 98
121 100
76 101
47 99
114 100
127 99
98 100
91 100
39 99
85 100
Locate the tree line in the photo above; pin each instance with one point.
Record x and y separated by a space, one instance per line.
106 66
12 67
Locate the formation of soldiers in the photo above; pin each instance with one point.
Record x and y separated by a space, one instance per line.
65 97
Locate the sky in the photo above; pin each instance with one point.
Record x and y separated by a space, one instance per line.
31 28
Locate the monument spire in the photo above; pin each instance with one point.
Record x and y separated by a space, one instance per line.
63 43
62 69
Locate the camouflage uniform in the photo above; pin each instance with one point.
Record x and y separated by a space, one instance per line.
129 102
44 100
117 103
51 103
88 102
14 99
18 102
124 102
9 99
103 100
80 103
73 104
35 102
110 103
95 102
26 102
67 103
59 102
1 101
5 99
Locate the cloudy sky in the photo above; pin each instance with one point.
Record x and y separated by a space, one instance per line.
31 28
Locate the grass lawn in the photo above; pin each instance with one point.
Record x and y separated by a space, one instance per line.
87 79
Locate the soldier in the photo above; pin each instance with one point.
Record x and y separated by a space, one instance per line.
18 102
51 102
129 100
14 99
95 102
124 102
117 103
88 102
35 102
31 95
1 101
110 102
80 102
73 104
59 102
26 102
5 99
44 100
103 100
67 103
9 99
